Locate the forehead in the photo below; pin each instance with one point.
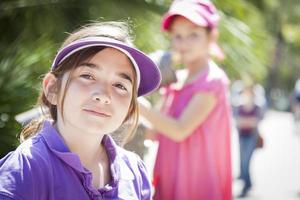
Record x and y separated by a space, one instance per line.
182 23
114 57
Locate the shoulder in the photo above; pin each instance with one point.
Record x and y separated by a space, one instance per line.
24 169
132 160
33 150
29 153
214 81
216 74
133 168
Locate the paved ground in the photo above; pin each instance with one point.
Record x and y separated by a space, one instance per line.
275 168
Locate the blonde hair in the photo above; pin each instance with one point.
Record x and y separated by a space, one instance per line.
115 30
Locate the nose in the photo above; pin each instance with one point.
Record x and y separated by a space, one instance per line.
181 45
102 98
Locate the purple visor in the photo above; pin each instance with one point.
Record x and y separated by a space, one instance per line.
148 74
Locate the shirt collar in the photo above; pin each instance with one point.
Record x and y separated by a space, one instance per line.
56 144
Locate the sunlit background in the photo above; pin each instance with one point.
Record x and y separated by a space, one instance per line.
260 38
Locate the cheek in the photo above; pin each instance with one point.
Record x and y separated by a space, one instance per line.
204 43
72 96
176 46
123 106
200 48
126 104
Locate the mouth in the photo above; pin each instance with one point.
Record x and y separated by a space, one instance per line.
97 113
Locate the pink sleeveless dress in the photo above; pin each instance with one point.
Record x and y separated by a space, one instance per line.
200 166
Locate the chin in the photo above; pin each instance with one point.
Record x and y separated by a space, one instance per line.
103 128
187 61
186 57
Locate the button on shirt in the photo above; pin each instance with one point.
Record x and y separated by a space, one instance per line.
43 167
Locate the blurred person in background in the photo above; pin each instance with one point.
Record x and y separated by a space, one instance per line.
194 124
296 105
237 88
248 116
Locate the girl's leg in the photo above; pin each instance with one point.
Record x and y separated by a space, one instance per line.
247 147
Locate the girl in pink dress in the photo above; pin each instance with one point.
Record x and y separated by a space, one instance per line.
193 127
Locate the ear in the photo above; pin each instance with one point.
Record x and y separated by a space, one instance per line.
214 35
214 48
50 88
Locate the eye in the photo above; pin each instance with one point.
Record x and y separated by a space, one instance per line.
120 86
193 35
87 76
176 37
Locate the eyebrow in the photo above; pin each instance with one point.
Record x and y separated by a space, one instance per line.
120 74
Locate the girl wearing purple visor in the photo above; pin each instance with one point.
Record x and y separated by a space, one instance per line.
90 91
193 127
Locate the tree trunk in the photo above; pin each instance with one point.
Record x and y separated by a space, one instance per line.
272 81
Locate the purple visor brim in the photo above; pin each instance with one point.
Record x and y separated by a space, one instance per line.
148 74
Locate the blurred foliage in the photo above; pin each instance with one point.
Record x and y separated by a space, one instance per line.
282 20
244 40
32 31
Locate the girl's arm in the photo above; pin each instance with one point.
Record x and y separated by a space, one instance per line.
195 113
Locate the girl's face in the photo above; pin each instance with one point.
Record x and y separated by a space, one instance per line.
248 96
99 93
190 41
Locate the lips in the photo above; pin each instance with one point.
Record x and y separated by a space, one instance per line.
97 113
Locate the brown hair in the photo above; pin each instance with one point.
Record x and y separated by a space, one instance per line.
115 30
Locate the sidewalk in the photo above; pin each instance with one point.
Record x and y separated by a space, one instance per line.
275 168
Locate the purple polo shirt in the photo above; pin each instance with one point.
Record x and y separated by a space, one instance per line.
43 167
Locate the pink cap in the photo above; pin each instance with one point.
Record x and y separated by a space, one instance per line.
200 12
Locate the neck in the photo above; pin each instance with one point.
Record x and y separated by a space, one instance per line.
86 145
197 65
194 68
